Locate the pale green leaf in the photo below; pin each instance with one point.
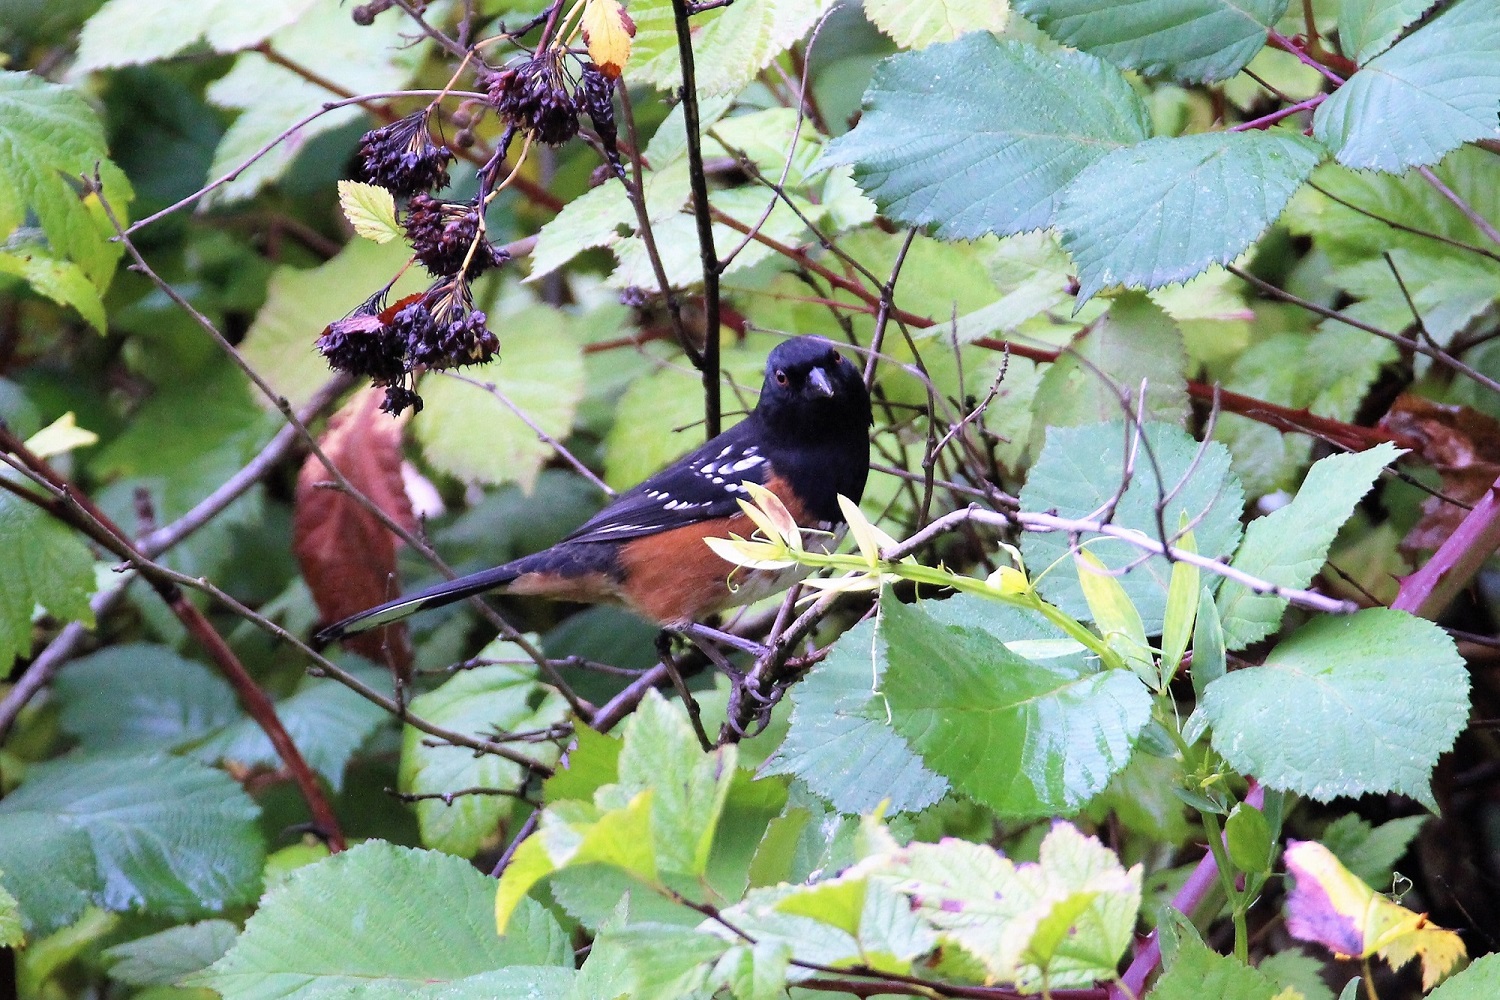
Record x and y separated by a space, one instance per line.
60 437
1023 737
47 566
1345 706
992 155
1288 546
468 432
371 210
1430 93
11 933
379 921
918 25
166 957
1199 972
482 702
1371 852
649 960
731 44
61 878
1080 470
516 982
1196 41
1479 981
1135 216
1368 27
129 32
1297 970
62 281
50 140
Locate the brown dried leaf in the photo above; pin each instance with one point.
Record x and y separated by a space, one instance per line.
1462 444
348 556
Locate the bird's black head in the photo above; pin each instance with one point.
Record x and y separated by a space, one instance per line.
812 389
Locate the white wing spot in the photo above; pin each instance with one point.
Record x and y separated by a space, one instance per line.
745 463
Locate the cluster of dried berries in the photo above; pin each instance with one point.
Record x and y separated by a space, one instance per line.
438 328
402 158
534 97
596 98
445 234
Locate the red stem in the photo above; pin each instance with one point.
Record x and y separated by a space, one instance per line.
1430 589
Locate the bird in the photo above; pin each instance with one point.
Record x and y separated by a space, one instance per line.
807 441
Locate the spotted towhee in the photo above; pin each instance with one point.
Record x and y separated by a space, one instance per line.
807 441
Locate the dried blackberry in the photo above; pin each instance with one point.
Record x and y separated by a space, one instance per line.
398 398
441 233
444 330
595 97
363 343
402 157
534 96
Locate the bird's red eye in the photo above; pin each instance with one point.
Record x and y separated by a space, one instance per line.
780 377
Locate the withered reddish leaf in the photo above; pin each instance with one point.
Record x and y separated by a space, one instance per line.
1462 444
348 556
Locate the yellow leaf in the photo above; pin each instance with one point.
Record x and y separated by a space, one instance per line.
869 538
752 555
607 30
60 436
1009 580
370 209
771 516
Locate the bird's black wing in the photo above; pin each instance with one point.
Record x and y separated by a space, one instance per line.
702 486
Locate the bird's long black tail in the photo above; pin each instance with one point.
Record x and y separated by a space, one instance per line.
432 597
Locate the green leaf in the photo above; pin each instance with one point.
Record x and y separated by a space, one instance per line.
62 281
1080 471
165 958
918 25
1022 737
165 835
61 878
482 701
379 921
1195 41
139 697
49 139
1478 982
523 982
12 935
371 210
1135 216
1199 972
1115 618
840 741
1301 972
593 762
127 32
47 566
1338 708
469 433
1288 546
994 154
1184 594
1433 91
1062 921
1371 852
730 44
649 960
1248 837
1209 657
1367 27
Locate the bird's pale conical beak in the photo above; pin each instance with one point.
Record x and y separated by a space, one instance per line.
817 380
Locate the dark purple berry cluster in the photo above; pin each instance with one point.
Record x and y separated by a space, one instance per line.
402 158
534 97
445 234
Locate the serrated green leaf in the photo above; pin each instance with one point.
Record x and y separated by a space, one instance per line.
165 958
1196 41
47 566
992 155
918 25
649 960
730 44
62 281
1478 982
1432 92
1299 971
49 140
380 921
1367 27
1199 972
371 210
1288 546
140 697
129 32
1338 708
1135 216
165 835
483 701
840 742
1022 737
1371 852
1080 470
593 761
469 433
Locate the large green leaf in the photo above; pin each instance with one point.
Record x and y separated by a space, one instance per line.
730 44
139 697
164 834
164 958
482 701
979 136
1196 41
1199 972
47 566
379 921
466 431
1166 209
62 281
1023 737
1345 706
839 741
1478 982
49 140
1288 546
1367 27
918 25
1433 91
1081 470
125 32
